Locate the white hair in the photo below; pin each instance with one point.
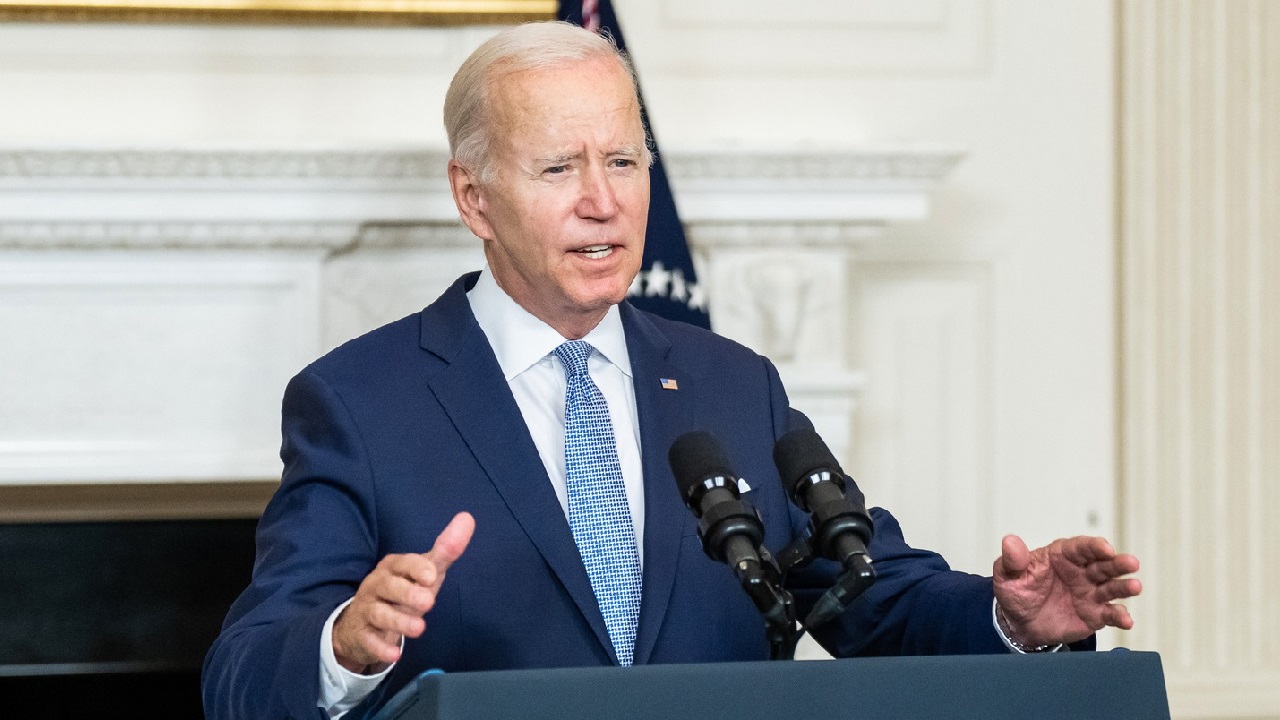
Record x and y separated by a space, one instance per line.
529 46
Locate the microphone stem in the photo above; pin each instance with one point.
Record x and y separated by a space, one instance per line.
857 577
761 582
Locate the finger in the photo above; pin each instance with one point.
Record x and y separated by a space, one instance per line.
369 614
1102 571
404 593
1118 590
418 569
1117 615
384 587
378 646
381 648
418 599
1126 564
391 583
1084 550
452 541
412 567
357 644
395 621
1014 556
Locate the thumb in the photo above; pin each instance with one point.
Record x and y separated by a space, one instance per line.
1014 557
452 541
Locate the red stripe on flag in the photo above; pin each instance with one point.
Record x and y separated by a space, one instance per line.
591 15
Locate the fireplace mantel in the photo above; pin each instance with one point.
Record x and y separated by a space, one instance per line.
205 199
156 301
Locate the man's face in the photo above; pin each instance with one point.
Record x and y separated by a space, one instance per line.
567 209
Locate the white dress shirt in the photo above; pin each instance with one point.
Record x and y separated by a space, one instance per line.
524 347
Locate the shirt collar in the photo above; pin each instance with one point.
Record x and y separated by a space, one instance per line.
520 340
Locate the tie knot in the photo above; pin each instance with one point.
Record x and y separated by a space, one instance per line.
574 354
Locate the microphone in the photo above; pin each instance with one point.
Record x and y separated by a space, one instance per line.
839 526
730 528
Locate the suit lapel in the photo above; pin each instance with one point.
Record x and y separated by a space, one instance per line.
482 408
663 414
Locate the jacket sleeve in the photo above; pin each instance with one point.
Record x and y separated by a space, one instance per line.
918 604
316 541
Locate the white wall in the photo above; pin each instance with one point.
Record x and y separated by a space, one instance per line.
1199 353
1000 385
175 85
1003 300
989 409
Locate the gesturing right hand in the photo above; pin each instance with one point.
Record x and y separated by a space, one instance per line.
393 598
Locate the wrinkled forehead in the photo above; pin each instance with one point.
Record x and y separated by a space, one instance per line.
551 91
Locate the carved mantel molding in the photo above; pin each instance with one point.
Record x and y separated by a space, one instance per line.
219 165
919 168
284 253
279 199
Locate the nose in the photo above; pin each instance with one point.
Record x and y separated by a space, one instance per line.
597 200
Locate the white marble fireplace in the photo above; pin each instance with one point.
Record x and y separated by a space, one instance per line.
154 303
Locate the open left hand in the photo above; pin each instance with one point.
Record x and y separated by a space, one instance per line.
1063 592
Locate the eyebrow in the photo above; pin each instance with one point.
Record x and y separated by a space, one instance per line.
557 159
632 150
625 150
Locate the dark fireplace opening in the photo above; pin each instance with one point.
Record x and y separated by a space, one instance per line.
109 617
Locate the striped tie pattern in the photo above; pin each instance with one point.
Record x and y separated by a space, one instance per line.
598 512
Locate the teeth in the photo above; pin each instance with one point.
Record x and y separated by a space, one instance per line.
596 251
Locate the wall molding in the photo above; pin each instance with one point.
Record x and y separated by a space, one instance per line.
49 235
897 165
177 163
342 240
219 500
101 192
1199 354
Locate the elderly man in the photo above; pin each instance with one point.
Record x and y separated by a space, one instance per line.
484 484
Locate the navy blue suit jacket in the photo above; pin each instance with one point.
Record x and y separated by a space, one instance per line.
390 435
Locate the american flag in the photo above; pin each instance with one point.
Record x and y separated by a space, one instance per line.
669 384
667 284
591 15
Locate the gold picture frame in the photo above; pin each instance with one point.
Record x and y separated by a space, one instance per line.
309 12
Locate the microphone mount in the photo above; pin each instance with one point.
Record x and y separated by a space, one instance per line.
732 532
839 527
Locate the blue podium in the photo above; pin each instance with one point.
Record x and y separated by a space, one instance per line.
1062 686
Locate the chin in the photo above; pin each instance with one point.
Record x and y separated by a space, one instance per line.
600 301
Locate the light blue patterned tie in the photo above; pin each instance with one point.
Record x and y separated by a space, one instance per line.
598 512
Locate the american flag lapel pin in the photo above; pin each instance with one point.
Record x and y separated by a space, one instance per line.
669 384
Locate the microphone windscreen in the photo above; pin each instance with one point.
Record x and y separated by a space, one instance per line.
696 456
800 452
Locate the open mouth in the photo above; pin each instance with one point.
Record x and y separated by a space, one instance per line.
595 252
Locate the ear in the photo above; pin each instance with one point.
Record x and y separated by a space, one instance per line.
468 195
